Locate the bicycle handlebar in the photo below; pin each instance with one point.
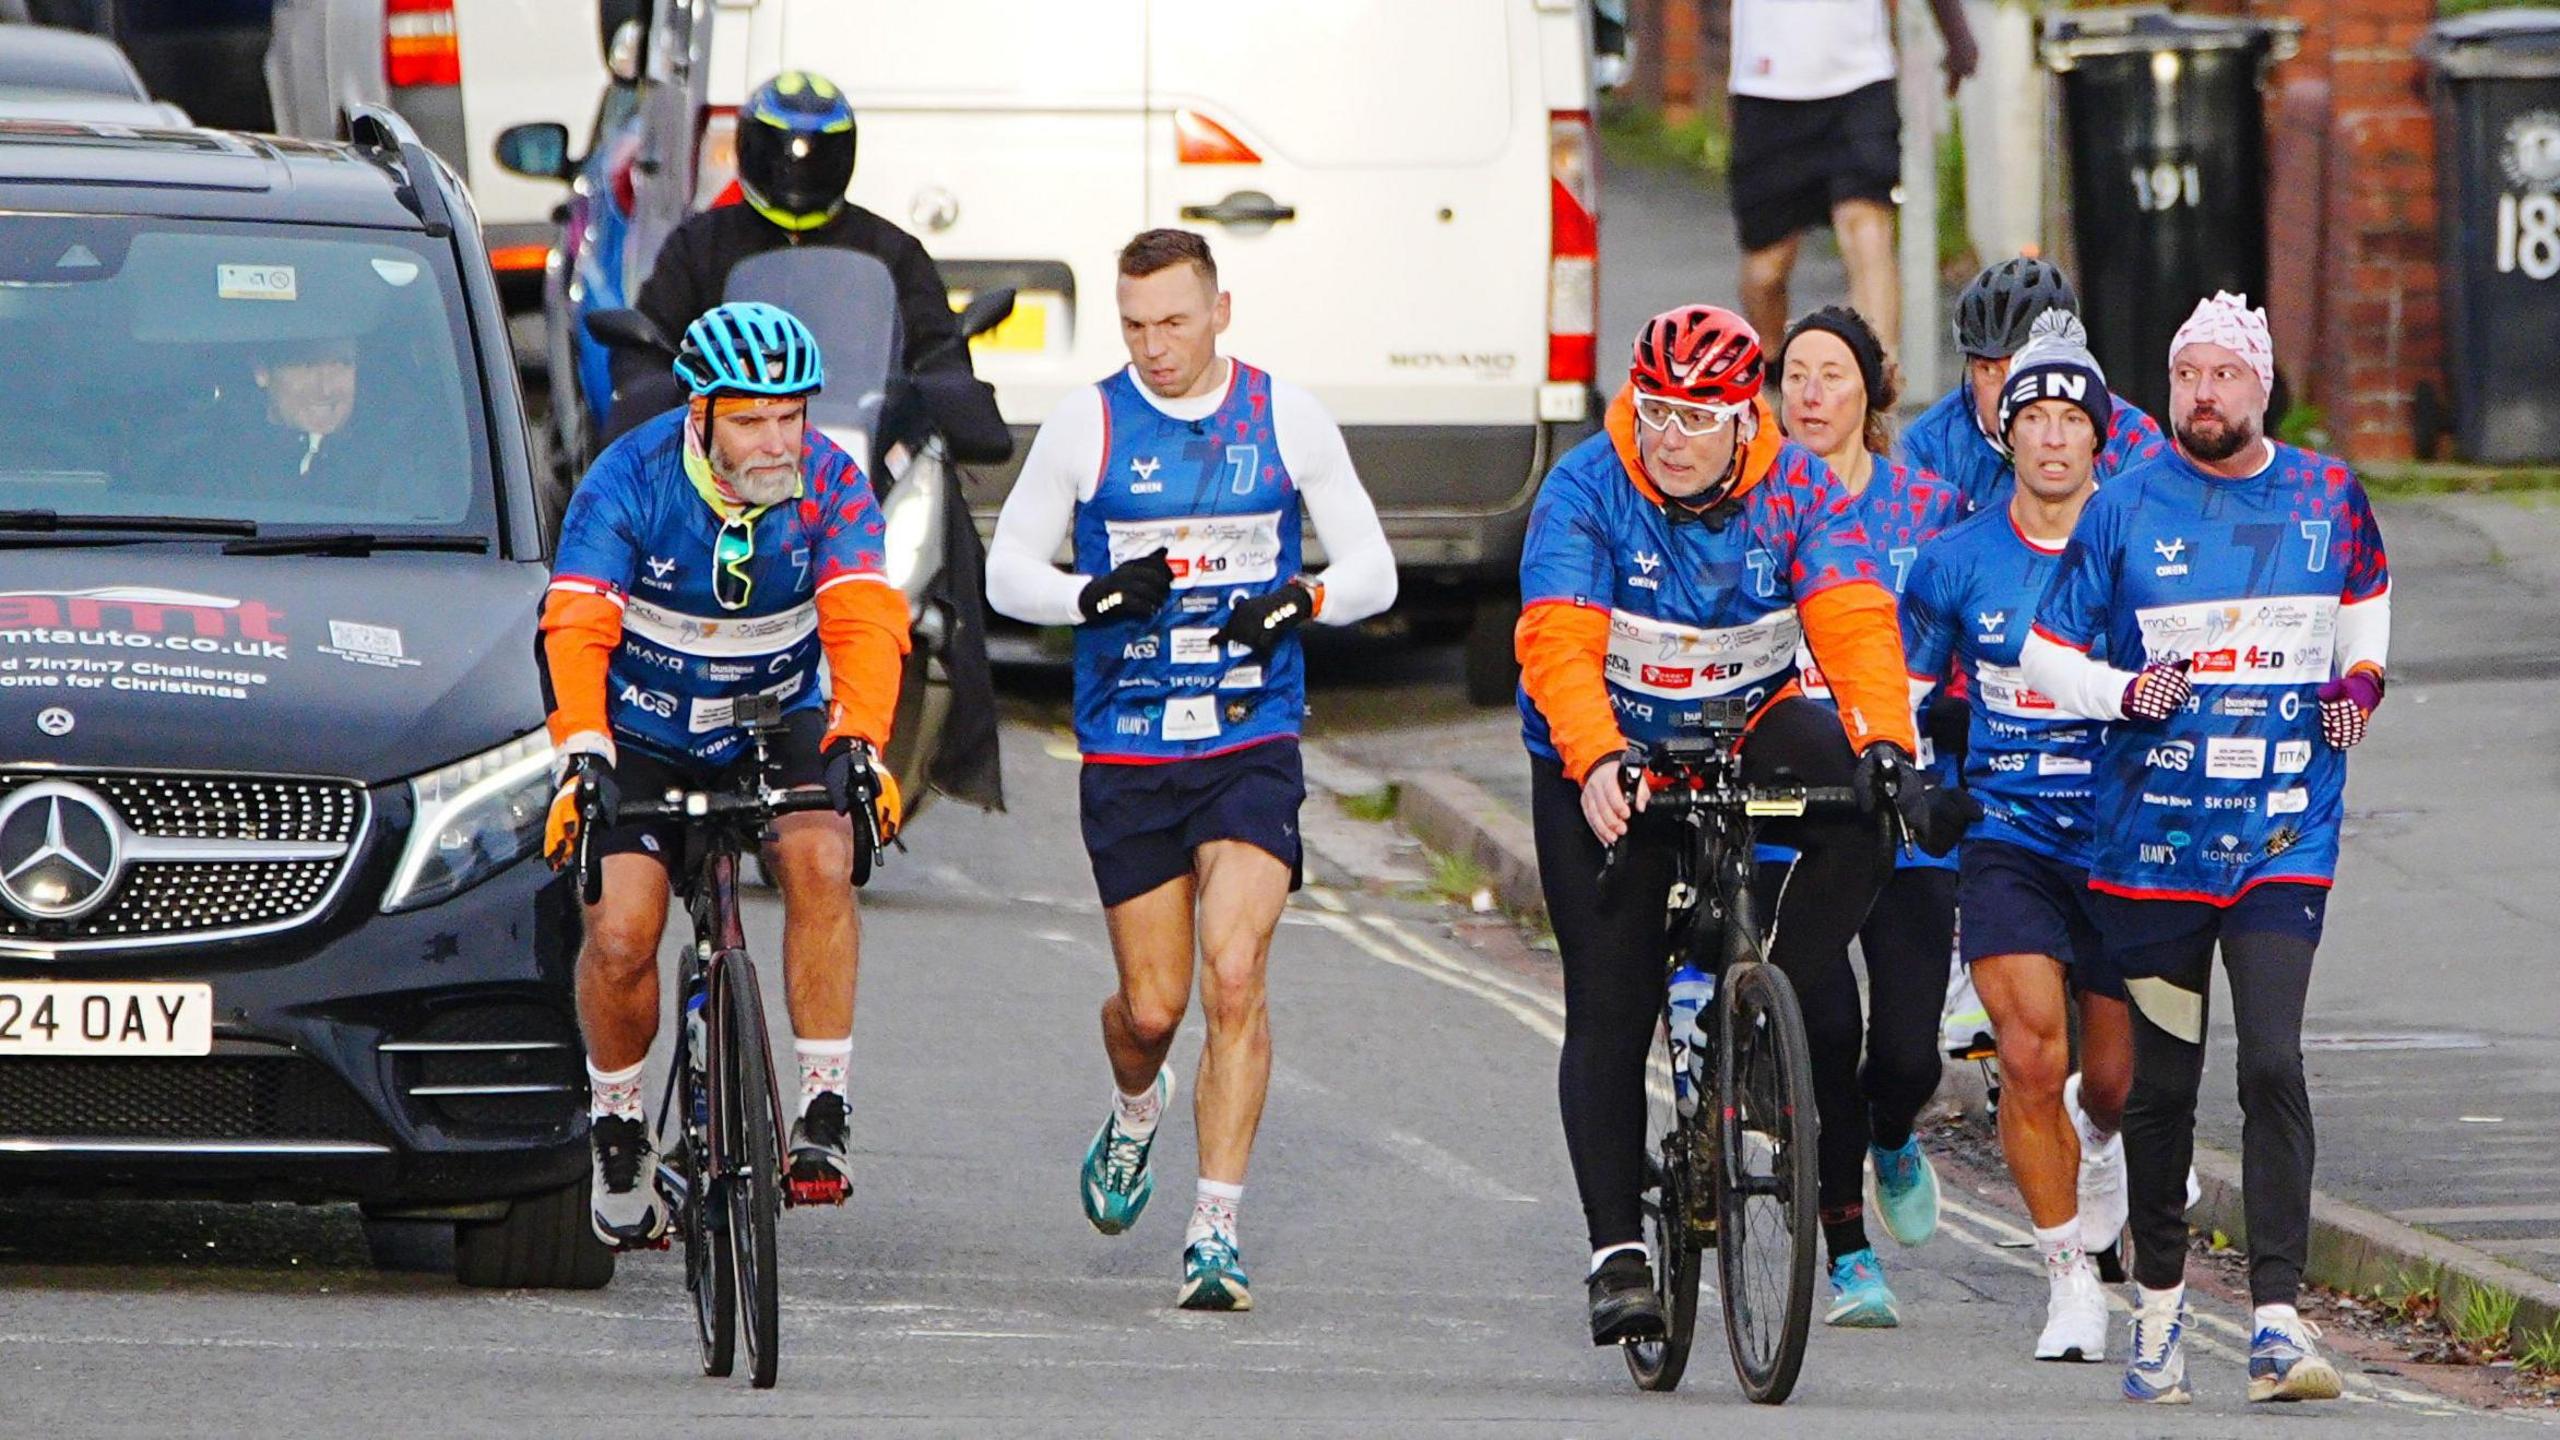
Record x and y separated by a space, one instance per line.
725 804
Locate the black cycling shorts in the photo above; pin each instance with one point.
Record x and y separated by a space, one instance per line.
644 776
2016 901
1795 159
1142 822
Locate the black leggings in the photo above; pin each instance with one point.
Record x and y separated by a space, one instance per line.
1612 951
2270 978
1909 941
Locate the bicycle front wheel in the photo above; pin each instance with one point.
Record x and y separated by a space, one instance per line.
710 1270
1767 1203
1672 1197
752 1142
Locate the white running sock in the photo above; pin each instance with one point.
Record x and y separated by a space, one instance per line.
1604 1252
2059 1244
614 1092
1215 1207
2170 1299
1138 1114
822 1067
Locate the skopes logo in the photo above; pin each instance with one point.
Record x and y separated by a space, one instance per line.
2231 802
654 702
141 617
2175 756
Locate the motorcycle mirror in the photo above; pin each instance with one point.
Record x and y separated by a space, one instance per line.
538 151
622 57
628 330
986 312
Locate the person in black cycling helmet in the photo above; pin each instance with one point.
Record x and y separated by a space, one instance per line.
1959 438
797 136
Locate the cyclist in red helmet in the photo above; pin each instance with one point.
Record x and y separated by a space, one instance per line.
1678 557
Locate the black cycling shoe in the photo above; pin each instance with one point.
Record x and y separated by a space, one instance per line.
1624 1307
821 1171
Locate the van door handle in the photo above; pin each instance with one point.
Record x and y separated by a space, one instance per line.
1244 207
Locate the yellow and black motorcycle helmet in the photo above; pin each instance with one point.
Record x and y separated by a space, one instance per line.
795 149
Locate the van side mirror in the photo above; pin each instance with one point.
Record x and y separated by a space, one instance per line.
537 151
986 312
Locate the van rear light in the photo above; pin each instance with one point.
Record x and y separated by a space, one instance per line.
1573 249
1199 140
419 44
715 165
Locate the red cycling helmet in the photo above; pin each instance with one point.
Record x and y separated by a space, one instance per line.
1702 354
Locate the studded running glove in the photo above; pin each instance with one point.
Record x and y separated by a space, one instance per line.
2160 691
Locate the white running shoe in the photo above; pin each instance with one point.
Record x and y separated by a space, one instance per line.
2075 1324
1964 1027
2104 1202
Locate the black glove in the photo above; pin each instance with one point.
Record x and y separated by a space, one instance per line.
1258 623
1886 776
852 774
1949 812
1135 590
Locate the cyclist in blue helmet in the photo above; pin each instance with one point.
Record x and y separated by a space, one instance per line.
797 136
720 551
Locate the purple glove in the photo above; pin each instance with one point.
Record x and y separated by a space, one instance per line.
2158 692
2345 707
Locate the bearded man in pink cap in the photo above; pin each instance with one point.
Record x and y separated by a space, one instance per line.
2227 607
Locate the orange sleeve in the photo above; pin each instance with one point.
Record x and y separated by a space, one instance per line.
580 629
1857 641
1560 645
862 624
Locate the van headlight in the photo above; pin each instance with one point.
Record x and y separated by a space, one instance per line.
472 819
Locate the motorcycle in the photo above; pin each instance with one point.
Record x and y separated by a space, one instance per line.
885 414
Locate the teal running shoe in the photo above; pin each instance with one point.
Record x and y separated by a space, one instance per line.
1115 1183
1902 1191
1860 1300
1213 1275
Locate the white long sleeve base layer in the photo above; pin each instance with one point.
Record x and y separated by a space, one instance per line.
1064 468
2077 685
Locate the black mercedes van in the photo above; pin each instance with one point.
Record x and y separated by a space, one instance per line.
273 923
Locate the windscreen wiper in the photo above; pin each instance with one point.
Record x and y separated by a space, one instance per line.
354 542
49 521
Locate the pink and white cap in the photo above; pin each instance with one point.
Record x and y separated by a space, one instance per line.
2226 320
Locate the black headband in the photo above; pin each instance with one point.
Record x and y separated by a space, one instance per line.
1854 332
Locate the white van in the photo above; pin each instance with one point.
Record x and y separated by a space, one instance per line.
1400 196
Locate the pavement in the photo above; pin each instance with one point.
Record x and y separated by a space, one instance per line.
2434 1060
1415 1246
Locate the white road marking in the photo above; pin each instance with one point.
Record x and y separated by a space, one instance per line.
1451 1171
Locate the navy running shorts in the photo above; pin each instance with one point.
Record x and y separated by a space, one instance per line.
1793 160
644 776
1142 822
2161 937
2015 901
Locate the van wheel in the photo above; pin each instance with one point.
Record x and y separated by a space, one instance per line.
546 1242
1493 671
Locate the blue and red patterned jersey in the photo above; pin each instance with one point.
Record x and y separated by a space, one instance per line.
2256 582
1947 441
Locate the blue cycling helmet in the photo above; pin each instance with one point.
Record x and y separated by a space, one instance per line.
795 149
747 347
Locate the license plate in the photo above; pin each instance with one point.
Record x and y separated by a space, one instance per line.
1026 330
101 1018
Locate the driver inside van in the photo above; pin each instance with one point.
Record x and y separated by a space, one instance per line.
311 393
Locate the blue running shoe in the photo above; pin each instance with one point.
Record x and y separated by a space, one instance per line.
1860 1300
1902 1190
2284 1365
1213 1275
2157 1375
1115 1183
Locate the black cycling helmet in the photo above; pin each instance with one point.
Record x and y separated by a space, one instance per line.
795 149
2000 305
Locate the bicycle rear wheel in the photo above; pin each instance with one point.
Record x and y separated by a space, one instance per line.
1671 1196
710 1271
1767 1203
751 1137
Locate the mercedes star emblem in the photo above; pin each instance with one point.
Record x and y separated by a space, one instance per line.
55 721
61 849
